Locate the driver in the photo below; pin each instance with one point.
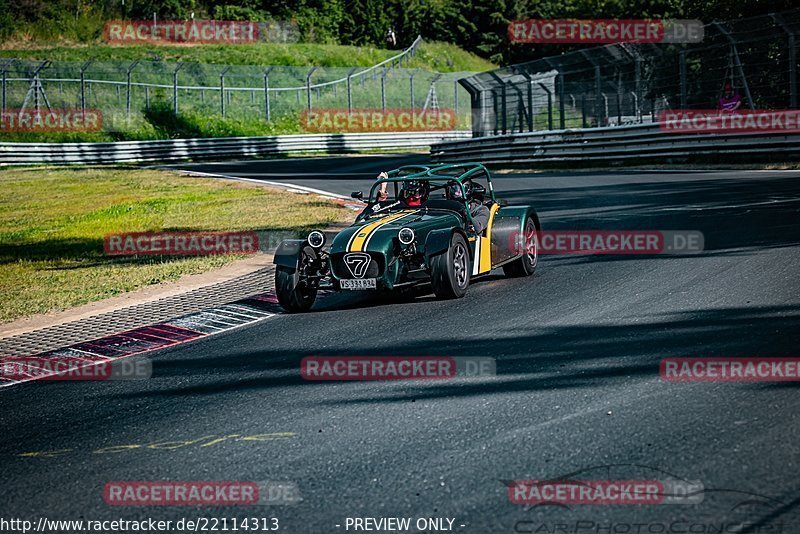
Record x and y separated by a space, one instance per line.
479 212
414 193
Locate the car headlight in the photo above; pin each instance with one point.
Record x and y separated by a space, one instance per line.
406 236
316 239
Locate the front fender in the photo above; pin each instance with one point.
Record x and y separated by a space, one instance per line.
288 253
438 241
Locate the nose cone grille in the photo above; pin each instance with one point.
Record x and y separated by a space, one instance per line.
341 270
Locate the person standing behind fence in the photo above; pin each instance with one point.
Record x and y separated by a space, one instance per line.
391 38
730 100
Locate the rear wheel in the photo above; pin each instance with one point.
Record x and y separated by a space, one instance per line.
450 270
526 265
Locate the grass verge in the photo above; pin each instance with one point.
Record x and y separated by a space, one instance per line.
433 56
52 223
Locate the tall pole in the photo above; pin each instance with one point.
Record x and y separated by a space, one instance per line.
222 90
267 113
350 89
128 93
308 87
175 88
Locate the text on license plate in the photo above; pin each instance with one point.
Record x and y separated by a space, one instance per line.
366 283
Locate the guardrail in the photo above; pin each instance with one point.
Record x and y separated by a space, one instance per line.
214 148
616 144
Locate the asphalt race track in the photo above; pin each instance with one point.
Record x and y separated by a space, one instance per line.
577 392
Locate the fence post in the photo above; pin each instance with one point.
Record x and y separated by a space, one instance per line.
411 89
222 90
383 89
598 94
3 96
83 84
562 120
682 58
502 102
494 105
308 87
128 94
792 60
583 109
350 89
549 105
638 86
455 96
175 88
266 94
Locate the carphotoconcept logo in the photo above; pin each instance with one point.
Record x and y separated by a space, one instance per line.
737 121
181 243
201 493
592 242
395 367
51 120
605 31
730 369
335 120
74 368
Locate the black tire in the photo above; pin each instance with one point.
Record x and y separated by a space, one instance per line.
450 271
526 265
293 299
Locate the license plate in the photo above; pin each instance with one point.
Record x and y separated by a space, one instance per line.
366 283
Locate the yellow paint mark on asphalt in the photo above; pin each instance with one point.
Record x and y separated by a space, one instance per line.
112 449
170 445
268 437
218 440
45 454
165 445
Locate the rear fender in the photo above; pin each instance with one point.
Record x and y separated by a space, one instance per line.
508 230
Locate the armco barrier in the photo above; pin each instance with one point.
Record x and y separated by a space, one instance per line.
617 144
214 148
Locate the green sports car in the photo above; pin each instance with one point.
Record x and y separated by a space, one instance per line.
440 225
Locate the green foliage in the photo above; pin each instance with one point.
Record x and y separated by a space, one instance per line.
479 26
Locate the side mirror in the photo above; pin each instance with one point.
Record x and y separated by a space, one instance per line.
357 195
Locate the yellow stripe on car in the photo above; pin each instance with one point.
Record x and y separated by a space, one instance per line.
362 235
486 247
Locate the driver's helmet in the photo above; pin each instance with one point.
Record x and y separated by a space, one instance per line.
454 191
414 192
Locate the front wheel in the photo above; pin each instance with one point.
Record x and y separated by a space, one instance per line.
526 265
450 270
293 298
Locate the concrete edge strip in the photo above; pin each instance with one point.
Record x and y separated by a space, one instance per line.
157 336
